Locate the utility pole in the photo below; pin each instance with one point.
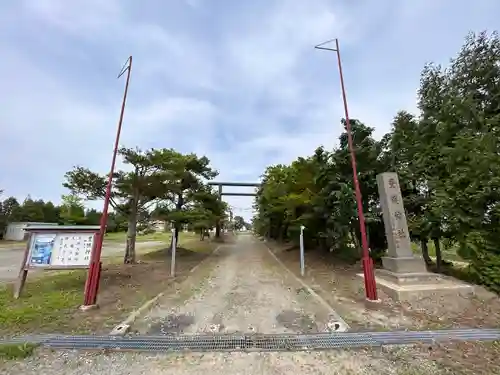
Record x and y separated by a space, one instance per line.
370 285
94 274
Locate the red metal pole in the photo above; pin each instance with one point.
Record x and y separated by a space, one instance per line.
370 285
94 274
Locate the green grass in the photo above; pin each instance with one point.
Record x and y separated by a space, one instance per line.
16 351
157 236
122 237
44 303
49 300
448 253
195 246
199 246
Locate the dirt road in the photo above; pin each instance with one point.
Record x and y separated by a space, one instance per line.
10 259
241 288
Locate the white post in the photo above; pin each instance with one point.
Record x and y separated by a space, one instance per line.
174 246
302 262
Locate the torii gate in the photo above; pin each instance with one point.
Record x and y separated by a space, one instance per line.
221 193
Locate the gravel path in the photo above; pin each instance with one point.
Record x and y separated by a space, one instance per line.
242 288
331 363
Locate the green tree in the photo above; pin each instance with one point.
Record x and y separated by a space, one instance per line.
117 222
467 196
156 175
51 213
11 209
9 212
32 211
239 222
317 192
72 210
407 152
133 190
207 210
184 183
93 217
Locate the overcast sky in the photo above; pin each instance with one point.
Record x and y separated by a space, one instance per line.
237 81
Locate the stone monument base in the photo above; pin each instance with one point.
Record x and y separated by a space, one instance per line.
416 285
404 264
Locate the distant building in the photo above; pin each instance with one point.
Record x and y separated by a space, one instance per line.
16 231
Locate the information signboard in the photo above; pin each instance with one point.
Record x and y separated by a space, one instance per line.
55 248
63 250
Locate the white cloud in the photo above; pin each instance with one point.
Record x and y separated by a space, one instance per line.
266 55
80 17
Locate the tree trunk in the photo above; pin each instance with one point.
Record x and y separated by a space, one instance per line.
131 234
284 231
176 234
425 251
356 242
439 258
217 229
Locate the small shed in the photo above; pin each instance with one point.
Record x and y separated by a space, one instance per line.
17 232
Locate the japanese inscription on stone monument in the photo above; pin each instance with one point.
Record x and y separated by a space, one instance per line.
396 228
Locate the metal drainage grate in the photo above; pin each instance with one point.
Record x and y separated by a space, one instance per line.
252 342
259 342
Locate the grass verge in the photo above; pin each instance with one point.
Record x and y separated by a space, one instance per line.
157 236
16 351
448 252
44 303
50 300
187 249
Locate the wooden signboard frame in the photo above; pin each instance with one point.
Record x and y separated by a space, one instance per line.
55 230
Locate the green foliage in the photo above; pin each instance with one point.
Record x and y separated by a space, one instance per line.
317 192
72 210
239 223
485 258
117 222
158 184
447 158
189 199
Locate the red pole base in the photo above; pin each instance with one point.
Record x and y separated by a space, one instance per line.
369 276
92 284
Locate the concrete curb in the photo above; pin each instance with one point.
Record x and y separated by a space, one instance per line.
122 328
343 325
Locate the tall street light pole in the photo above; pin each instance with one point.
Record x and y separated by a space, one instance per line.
370 285
94 274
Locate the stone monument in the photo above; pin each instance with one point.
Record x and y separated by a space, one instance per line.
405 275
400 257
